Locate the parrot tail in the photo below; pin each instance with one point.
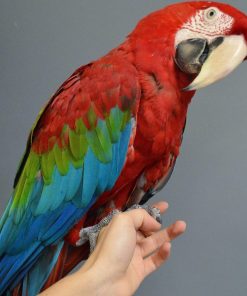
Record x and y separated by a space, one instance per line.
36 277
54 264
68 259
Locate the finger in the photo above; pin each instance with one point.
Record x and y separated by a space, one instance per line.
156 240
140 237
174 230
150 244
128 223
142 221
162 206
102 233
154 261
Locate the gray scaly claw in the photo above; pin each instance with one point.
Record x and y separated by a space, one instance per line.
91 233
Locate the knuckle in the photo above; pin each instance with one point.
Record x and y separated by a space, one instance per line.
124 218
119 217
141 212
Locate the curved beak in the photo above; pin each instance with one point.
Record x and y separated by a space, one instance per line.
221 61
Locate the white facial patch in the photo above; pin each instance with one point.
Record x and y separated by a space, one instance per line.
209 23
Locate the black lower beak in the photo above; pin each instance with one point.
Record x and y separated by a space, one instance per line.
191 54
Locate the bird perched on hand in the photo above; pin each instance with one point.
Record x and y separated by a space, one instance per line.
109 137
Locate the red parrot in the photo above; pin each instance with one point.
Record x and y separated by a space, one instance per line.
109 137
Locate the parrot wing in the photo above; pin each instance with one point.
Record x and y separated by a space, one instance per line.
75 152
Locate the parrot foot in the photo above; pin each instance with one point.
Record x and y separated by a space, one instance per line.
91 233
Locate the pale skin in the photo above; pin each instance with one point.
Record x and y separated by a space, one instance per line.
130 248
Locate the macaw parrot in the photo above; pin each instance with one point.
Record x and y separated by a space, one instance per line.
109 137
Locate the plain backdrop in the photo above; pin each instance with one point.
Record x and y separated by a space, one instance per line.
42 42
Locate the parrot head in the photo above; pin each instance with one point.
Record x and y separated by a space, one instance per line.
208 40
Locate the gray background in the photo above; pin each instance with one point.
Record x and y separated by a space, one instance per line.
42 42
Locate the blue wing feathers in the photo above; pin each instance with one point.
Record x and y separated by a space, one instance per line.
52 211
119 155
3 219
59 192
37 276
75 176
12 263
5 234
104 174
90 177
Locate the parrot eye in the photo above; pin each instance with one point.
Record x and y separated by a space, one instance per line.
211 14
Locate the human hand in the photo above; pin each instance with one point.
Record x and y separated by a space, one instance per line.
130 248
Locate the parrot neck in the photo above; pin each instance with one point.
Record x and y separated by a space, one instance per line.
164 104
156 58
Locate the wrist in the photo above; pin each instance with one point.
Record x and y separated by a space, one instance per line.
92 282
